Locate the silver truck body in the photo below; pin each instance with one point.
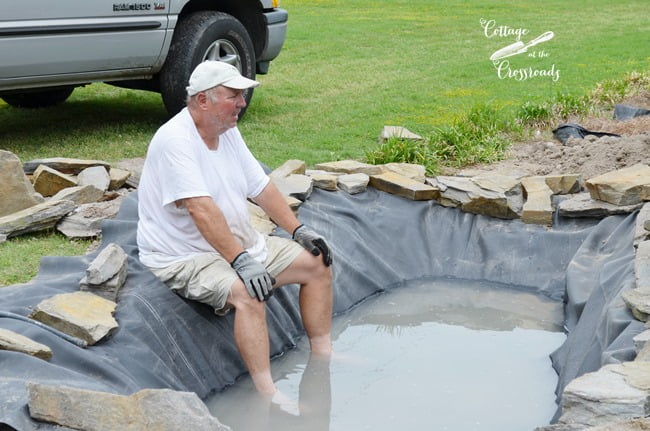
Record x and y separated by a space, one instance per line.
74 42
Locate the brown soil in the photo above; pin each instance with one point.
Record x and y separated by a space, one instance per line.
590 156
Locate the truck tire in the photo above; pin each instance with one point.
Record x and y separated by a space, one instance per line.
204 35
39 99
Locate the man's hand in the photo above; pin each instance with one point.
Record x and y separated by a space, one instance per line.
313 243
257 280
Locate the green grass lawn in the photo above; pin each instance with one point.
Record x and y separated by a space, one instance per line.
349 68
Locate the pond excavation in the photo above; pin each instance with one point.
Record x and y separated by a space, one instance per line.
442 354
381 243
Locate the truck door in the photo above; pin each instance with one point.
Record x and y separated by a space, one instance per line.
43 38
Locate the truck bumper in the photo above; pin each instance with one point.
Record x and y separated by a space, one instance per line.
276 22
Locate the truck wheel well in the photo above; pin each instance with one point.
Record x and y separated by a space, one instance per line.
240 9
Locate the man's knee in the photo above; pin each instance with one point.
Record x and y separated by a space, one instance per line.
318 273
240 299
321 271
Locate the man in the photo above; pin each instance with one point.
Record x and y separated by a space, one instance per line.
195 234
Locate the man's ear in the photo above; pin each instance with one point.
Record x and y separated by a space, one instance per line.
202 99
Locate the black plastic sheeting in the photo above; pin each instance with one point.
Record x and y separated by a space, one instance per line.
627 112
571 130
379 240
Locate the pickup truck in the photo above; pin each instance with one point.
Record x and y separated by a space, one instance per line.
47 48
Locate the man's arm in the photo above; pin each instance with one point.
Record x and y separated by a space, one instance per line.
274 205
213 226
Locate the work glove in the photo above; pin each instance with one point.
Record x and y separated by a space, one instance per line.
257 280
313 243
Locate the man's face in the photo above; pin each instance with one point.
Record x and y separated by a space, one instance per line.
224 104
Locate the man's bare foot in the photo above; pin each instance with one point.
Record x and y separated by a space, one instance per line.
285 403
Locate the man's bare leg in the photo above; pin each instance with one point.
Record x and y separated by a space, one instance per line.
316 311
251 331
252 337
315 300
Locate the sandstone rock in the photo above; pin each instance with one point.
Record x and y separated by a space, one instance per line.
638 301
538 208
350 167
36 218
134 166
583 205
622 187
295 185
454 191
63 164
564 184
118 177
86 220
3 238
641 424
644 353
325 181
10 340
107 264
16 192
469 195
504 184
353 183
607 395
642 219
148 409
288 168
293 203
399 132
49 182
562 427
95 176
261 222
477 172
640 340
642 265
399 185
408 170
312 172
637 375
80 194
81 314
108 289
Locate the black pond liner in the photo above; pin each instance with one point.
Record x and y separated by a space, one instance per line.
378 241
627 112
564 132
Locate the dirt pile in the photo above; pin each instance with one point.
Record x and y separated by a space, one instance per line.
590 156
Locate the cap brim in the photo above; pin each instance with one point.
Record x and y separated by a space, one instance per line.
240 83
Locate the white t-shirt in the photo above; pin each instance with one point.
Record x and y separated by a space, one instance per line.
179 165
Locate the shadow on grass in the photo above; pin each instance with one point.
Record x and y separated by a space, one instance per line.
76 126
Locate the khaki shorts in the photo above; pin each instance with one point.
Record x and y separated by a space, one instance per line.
208 277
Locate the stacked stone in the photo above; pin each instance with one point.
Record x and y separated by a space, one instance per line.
70 194
614 397
148 409
87 314
513 196
106 275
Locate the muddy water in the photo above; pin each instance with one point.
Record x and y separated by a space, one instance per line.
429 355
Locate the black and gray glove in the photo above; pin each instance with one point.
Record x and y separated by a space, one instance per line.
313 243
257 280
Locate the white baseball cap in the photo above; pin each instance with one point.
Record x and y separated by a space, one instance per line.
210 73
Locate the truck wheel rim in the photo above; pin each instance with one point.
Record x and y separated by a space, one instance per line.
223 50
